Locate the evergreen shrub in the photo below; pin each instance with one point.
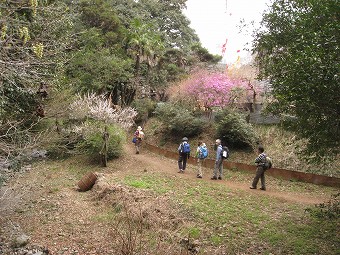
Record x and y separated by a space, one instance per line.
92 142
234 131
179 121
144 107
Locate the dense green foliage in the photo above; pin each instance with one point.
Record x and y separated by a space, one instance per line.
298 51
92 143
234 131
179 121
145 108
128 48
113 47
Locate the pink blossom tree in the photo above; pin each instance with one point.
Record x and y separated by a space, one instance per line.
215 89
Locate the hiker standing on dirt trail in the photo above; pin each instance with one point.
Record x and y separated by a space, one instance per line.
260 170
218 169
201 154
184 154
139 135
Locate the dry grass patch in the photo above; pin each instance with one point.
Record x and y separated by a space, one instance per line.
141 221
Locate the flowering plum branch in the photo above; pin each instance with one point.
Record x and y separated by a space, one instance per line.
99 108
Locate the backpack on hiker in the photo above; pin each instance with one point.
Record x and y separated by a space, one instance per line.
225 152
268 164
185 148
203 152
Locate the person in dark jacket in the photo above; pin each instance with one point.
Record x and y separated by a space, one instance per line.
184 154
260 170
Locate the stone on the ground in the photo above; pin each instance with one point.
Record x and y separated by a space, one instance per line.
21 241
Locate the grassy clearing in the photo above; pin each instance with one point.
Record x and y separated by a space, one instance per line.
242 222
223 220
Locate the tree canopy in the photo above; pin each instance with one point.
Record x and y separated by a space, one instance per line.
122 49
297 50
135 46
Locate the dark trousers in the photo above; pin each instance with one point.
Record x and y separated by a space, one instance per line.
182 161
259 174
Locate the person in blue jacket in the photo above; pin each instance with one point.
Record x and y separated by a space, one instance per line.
184 154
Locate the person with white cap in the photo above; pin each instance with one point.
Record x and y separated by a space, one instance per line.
139 135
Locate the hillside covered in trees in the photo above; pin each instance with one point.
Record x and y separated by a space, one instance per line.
70 68
53 52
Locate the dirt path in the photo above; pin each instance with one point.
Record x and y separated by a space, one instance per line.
169 166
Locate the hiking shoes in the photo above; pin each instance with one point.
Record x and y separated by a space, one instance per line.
251 187
263 189
213 178
220 178
199 176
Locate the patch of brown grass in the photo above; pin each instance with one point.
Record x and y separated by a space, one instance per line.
142 222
